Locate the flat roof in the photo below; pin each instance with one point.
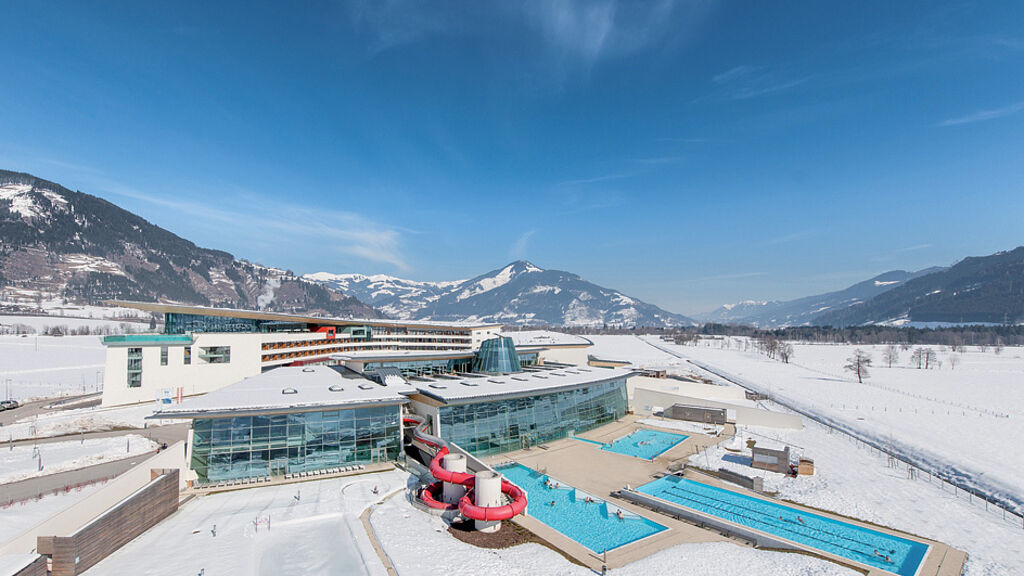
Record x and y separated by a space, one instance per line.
281 317
466 388
546 339
314 387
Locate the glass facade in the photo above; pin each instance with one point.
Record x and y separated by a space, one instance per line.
497 356
250 446
422 367
504 425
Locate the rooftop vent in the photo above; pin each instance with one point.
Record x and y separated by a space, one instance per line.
289 391
541 376
335 388
520 378
307 370
470 384
366 386
495 381
437 386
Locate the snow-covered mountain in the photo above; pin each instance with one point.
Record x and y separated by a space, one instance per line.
803 311
74 248
519 293
978 289
396 297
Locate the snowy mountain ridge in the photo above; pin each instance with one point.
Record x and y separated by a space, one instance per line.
66 247
519 293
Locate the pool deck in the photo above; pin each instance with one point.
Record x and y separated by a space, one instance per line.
602 473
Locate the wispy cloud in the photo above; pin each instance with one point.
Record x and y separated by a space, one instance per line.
655 160
346 232
734 74
792 237
914 248
594 179
984 115
518 249
745 82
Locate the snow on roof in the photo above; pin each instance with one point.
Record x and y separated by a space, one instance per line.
468 387
290 388
528 338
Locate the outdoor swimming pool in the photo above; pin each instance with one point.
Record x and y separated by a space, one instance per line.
593 524
642 443
856 543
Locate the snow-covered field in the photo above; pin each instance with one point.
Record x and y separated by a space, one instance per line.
45 366
965 416
296 529
10 324
21 462
18 517
95 419
632 349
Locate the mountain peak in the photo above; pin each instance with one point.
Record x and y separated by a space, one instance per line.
521 266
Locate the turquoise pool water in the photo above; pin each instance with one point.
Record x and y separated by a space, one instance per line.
592 524
643 443
857 543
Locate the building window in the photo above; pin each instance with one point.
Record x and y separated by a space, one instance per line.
188 355
216 354
163 355
271 445
504 425
134 367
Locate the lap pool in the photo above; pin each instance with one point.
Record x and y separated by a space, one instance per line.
642 443
590 521
871 547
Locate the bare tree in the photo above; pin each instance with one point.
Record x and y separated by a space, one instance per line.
859 364
918 358
891 355
930 358
785 352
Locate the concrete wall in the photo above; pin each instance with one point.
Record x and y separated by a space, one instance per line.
646 400
756 484
74 554
199 377
696 414
772 460
566 355
84 511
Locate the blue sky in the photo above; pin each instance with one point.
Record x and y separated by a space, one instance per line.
687 153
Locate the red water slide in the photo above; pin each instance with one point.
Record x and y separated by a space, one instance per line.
430 494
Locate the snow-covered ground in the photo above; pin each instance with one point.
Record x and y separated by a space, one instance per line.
418 543
631 349
21 462
46 366
18 517
16 324
79 420
965 416
300 529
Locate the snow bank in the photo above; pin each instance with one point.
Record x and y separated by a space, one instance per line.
21 462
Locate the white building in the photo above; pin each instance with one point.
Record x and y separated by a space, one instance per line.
203 349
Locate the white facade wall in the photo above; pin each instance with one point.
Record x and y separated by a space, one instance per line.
198 378
566 355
